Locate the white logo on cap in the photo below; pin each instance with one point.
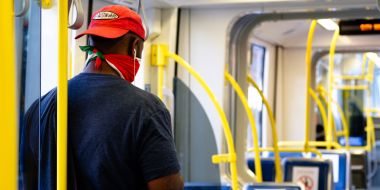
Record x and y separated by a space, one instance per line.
105 16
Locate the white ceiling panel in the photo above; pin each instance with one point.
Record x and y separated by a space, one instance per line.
294 33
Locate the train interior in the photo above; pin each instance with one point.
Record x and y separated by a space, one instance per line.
276 94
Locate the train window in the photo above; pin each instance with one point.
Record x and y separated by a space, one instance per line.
256 70
353 102
376 88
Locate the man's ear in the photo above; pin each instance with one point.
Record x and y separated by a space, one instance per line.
137 48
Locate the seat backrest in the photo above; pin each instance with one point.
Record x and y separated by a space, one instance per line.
341 163
314 173
353 141
288 155
268 168
273 186
206 186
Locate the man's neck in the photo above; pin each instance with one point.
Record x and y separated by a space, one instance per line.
104 69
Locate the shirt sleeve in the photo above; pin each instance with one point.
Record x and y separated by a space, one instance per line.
156 150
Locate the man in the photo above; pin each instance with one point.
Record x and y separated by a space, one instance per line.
119 136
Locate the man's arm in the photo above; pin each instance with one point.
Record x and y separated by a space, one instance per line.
156 153
171 182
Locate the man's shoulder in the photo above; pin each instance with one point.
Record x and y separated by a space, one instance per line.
148 101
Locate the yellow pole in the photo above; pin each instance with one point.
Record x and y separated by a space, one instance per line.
252 122
309 46
8 103
342 116
282 149
311 144
62 96
371 68
272 121
231 157
364 63
321 108
160 81
331 86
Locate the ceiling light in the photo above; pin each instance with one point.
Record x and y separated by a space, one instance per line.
374 57
328 24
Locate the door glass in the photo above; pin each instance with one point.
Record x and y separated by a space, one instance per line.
256 71
353 102
28 38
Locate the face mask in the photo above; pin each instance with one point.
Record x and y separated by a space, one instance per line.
126 66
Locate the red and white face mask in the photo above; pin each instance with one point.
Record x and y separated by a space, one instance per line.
126 66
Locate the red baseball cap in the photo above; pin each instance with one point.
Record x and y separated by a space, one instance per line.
114 21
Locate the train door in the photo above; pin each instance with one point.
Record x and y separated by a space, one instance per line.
28 59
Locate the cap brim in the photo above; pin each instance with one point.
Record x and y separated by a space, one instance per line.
105 32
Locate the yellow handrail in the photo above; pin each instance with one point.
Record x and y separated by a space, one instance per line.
309 46
252 122
62 95
349 77
8 103
351 87
311 144
331 86
272 121
364 63
283 149
321 108
343 118
160 54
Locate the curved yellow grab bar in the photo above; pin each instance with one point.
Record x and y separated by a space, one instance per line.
309 46
343 118
160 55
272 121
226 128
8 97
321 108
331 85
252 122
62 95
282 149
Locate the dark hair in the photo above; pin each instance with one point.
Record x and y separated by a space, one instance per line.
106 45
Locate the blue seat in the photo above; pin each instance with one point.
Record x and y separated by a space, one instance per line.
288 154
206 186
268 168
354 141
313 172
273 186
341 163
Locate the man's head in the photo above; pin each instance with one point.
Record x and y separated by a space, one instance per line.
116 29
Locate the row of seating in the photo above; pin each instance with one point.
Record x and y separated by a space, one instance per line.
331 172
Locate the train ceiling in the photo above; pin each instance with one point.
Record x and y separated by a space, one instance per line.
293 34
261 3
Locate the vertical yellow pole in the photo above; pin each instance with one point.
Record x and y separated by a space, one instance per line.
308 81
160 81
8 95
321 108
62 95
331 88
